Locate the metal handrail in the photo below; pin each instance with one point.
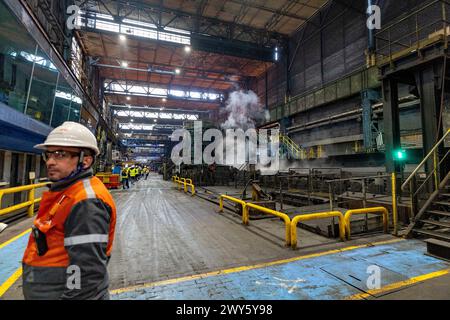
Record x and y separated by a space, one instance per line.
349 214
181 181
357 178
29 203
431 175
432 151
186 185
408 36
314 216
236 200
292 146
393 24
278 214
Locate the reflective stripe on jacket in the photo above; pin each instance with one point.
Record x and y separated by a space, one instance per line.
79 237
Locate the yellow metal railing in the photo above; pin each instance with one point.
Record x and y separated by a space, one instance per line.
394 203
180 182
185 182
433 159
241 202
349 214
186 185
297 151
314 216
29 203
291 226
281 215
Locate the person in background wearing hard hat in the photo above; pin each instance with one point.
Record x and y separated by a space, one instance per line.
72 236
125 177
133 174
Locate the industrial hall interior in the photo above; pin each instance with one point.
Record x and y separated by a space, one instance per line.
224 150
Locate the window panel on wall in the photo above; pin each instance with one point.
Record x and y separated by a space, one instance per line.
16 47
63 100
74 114
2 161
43 87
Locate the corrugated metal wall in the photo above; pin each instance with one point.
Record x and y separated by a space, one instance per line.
329 47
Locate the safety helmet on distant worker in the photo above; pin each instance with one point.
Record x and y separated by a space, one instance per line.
71 134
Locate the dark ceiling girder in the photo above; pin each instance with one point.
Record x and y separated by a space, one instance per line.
184 76
190 19
254 5
182 14
113 93
143 141
139 120
218 45
148 132
231 48
146 84
156 109
163 65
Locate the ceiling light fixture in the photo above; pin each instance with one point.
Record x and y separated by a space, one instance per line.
122 37
164 99
128 98
177 71
124 64
187 49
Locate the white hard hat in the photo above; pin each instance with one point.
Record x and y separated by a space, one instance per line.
70 134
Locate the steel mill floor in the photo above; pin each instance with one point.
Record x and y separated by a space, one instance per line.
171 245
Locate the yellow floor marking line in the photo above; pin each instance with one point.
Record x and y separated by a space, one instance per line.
245 268
4 244
11 280
397 285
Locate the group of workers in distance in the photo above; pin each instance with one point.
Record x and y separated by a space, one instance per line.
133 174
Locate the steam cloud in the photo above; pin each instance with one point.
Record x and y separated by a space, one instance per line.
244 109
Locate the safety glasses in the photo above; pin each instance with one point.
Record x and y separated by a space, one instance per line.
58 155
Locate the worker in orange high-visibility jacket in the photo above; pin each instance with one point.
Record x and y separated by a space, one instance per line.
72 236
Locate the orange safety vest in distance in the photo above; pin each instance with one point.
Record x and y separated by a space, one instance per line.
54 209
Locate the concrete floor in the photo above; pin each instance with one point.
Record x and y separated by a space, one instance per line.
163 234
173 235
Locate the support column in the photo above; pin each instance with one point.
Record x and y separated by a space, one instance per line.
367 98
20 197
391 122
37 170
7 167
8 199
429 102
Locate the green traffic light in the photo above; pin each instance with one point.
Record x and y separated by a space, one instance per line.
400 155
